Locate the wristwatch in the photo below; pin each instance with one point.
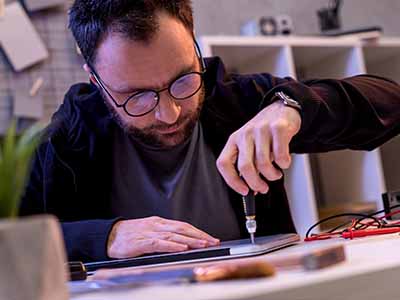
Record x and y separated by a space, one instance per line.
287 101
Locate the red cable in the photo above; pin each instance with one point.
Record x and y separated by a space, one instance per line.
351 232
361 233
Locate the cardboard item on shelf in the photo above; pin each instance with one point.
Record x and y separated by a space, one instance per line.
19 39
26 106
2 4
29 104
34 5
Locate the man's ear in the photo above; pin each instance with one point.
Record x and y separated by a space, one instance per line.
91 77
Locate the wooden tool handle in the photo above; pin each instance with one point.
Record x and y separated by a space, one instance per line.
234 271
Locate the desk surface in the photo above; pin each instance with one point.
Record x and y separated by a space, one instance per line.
372 271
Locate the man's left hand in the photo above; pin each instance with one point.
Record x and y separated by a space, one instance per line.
254 147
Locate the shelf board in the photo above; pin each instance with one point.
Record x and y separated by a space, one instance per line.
310 41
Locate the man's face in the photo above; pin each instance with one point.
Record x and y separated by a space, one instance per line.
126 66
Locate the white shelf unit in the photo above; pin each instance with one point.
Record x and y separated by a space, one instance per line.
323 179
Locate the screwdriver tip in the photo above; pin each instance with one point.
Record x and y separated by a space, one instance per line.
252 238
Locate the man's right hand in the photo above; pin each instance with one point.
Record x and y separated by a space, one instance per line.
136 237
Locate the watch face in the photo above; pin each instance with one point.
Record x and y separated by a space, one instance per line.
288 101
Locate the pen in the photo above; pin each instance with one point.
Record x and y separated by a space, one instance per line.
250 213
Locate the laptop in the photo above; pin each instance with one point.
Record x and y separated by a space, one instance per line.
226 250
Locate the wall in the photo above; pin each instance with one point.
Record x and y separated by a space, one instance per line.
226 16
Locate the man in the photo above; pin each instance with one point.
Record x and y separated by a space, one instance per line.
147 157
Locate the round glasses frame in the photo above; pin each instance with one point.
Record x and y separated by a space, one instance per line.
156 92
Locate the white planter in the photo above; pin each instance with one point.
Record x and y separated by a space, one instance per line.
32 260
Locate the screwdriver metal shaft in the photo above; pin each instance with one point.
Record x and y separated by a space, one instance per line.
250 213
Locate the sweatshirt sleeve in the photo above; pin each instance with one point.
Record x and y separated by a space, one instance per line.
358 113
87 240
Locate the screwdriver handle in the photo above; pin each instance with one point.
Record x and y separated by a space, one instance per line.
77 270
249 204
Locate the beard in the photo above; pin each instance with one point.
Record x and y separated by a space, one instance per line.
151 135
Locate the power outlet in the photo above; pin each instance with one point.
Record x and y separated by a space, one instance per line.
391 199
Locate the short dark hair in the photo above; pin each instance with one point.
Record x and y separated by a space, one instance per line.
91 20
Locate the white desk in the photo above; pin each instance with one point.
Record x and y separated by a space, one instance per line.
372 271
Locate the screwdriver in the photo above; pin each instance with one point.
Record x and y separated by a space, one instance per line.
250 213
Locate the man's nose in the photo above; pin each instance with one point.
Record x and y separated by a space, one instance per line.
167 110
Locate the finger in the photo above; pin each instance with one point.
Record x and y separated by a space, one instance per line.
226 166
182 239
138 246
263 157
280 146
154 245
186 229
247 167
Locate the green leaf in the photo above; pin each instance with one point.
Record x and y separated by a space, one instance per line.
15 158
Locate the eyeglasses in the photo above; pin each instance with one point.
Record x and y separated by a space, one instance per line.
145 101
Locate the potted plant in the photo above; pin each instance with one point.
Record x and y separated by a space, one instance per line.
32 253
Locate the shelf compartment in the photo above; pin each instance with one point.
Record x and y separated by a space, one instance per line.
327 62
256 59
383 61
391 164
348 176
